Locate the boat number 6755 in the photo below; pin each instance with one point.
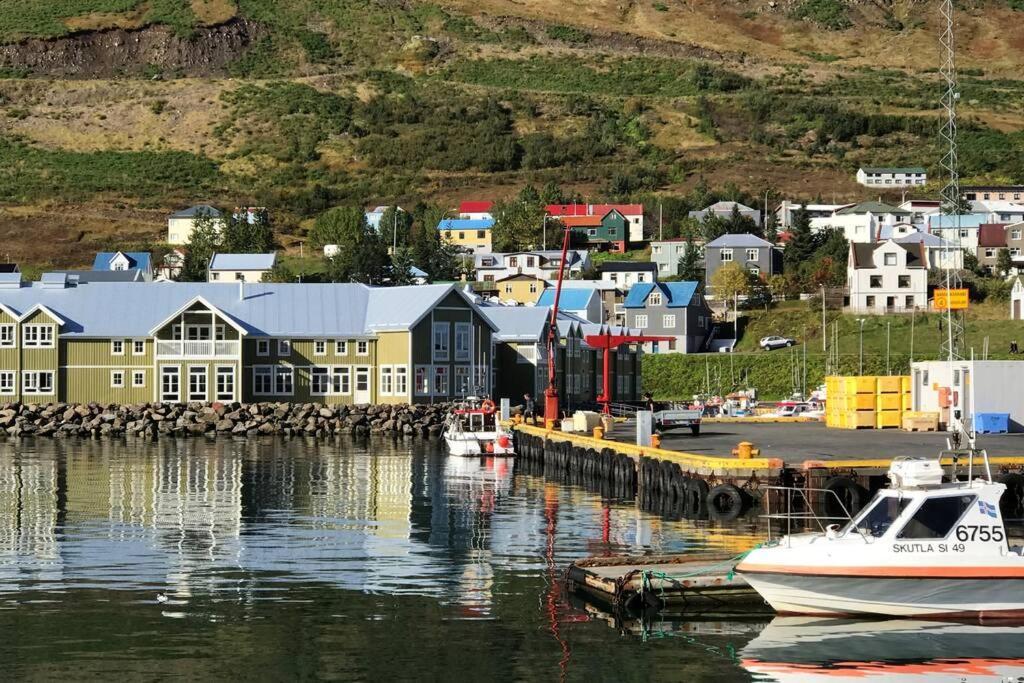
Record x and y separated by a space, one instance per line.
974 532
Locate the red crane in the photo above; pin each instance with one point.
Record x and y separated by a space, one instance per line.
606 341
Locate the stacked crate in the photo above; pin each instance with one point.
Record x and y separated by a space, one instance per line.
866 402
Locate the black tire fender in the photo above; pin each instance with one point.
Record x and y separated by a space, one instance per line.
850 493
725 502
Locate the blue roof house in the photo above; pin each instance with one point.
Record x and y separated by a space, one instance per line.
123 261
582 302
669 309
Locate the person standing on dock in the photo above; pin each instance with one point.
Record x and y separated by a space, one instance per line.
530 409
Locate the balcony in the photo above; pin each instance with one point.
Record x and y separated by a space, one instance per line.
197 349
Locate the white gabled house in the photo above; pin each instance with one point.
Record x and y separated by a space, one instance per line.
887 277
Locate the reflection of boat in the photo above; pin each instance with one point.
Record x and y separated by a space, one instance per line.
808 649
919 548
472 428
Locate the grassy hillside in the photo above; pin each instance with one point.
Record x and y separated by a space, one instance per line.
367 101
772 372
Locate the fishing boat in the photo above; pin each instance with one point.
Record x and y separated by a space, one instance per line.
472 428
920 548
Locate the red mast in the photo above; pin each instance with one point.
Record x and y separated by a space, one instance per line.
551 393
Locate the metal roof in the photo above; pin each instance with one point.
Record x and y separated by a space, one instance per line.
881 169
136 259
575 299
518 323
103 309
243 261
969 220
466 224
194 211
876 208
677 294
739 240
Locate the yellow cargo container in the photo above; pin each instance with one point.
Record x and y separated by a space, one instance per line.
859 385
905 386
861 402
888 419
889 402
907 402
890 385
859 419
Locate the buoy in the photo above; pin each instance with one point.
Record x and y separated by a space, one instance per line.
504 441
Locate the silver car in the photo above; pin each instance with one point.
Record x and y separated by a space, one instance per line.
772 343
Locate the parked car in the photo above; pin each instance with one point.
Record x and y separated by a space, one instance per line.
771 343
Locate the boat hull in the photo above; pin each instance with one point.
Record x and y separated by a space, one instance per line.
936 597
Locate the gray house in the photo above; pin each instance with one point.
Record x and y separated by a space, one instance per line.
666 254
724 210
750 251
669 309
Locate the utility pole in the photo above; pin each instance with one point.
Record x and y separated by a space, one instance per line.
860 365
661 222
888 324
824 338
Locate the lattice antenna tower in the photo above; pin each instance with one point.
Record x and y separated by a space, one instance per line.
953 343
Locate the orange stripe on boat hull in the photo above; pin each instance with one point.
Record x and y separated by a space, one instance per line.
887 572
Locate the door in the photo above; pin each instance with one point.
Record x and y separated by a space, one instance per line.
170 384
362 385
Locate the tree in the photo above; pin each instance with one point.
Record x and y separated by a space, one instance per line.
401 267
551 193
802 245
519 224
1004 262
280 273
395 226
428 250
730 280
341 225
690 267
202 243
366 260
738 224
771 227
248 231
712 227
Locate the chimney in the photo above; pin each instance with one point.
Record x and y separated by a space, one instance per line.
241 290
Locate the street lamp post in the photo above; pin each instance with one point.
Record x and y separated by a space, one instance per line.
860 370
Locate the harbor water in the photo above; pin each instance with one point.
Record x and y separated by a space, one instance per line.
301 559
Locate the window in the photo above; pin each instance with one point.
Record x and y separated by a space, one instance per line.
754 270
869 301
656 250
138 379
319 347
284 347
513 262
440 380
139 347
890 259
263 347
1015 252
6 336
462 235
655 299
214 276
401 380
903 281
1015 234
963 233
752 254
197 378
909 302
362 348
956 378
875 282
263 380
283 378
7 382
422 379
225 383
877 519
117 347
37 336
387 380
508 289
591 232
341 348
219 332
533 288
726 255
463 336
117 379
341 380
462 380
936 517
37 382
481 234
319 381
526 355
441 334
668 322
990 253
640 322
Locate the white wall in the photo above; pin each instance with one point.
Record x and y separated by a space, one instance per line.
989 387
859 282
233 275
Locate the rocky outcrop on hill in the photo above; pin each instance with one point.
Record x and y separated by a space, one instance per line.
229 419
114 52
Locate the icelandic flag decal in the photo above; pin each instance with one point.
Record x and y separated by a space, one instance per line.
987 508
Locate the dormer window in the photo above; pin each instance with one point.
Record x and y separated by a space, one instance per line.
655 299
890 259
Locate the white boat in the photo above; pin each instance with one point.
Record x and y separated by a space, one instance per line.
920 548
473 428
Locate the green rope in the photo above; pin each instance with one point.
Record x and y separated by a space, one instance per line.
647 574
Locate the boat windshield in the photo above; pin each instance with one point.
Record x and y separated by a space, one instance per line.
879 516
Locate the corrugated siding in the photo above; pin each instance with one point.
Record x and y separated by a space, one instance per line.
98 352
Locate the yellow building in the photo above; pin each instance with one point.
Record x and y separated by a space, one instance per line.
470 234
523 289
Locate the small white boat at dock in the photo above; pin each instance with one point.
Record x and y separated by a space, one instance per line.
473 428
921 548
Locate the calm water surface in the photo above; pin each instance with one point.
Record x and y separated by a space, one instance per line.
285 560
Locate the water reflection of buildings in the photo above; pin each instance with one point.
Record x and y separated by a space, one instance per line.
28 518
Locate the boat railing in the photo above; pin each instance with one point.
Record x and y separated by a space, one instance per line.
792 497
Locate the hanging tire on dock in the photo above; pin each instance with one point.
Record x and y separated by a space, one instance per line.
1011 505
851 494
696 497
725 502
